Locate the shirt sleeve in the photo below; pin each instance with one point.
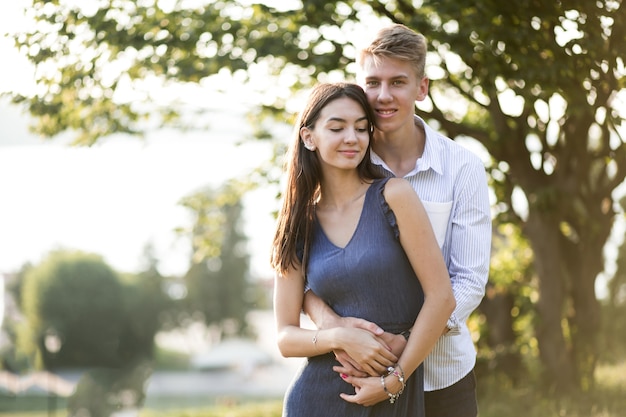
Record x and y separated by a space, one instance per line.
469 243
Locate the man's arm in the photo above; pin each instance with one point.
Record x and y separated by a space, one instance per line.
470 244
325 317
322 315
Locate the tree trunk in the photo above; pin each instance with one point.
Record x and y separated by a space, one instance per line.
544 236
497 306
585 262
567 267
585 326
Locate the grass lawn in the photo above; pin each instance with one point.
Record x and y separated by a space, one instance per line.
496 399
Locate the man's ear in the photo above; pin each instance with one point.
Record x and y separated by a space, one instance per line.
422 88
307 138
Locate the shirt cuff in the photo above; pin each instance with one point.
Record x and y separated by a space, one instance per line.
453 326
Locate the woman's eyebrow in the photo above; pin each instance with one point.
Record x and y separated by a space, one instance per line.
339 119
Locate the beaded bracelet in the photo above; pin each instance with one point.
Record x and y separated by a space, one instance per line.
398 374
392 397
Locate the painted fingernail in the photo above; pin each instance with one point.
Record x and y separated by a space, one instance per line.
344 376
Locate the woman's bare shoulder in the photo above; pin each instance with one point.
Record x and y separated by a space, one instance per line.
397 188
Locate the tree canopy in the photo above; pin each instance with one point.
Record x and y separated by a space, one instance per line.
218 286
75 312
536 83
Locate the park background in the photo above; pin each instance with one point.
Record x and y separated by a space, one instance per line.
150 178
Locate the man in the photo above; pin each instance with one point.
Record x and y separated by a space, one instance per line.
452 184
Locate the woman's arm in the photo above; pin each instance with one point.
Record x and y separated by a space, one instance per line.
419 243
352 363
294 341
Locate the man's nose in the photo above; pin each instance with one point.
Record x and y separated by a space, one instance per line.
384 92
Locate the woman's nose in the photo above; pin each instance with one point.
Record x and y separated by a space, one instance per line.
351 135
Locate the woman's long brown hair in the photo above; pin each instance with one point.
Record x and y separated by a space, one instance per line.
304 174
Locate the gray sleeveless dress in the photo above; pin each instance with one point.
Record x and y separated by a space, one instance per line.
370 278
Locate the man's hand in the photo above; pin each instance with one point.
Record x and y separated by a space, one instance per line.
353 365
363 353
360 324
349 366
396 342
360 361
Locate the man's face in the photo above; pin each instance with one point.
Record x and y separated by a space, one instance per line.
392 87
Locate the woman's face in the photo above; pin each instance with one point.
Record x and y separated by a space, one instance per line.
340 135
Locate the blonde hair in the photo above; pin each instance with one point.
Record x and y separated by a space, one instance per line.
398 42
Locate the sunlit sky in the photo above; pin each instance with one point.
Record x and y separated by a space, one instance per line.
114 198
121 194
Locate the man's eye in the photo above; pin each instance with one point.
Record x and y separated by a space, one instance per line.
336 129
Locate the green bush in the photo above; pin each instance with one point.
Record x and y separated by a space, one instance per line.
75 312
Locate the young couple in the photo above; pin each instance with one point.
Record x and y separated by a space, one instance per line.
388 277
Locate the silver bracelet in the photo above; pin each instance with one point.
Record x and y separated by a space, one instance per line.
392 397
398 374
314 340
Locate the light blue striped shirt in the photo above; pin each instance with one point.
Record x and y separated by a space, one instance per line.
452 184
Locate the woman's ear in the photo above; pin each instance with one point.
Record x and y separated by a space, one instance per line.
307 138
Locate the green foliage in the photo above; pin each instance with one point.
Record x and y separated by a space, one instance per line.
81 313
218 286
170 360
106 391
614 307
117 46
497 397
73 303
145 302
505 319
13 359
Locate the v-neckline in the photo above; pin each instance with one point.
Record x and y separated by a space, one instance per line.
356 229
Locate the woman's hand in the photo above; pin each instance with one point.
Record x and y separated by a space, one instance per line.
369 391
363 353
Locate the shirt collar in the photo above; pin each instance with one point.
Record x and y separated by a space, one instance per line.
432 157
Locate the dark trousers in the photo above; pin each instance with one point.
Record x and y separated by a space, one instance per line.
457 400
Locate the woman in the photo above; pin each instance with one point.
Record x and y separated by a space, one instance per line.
360 243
